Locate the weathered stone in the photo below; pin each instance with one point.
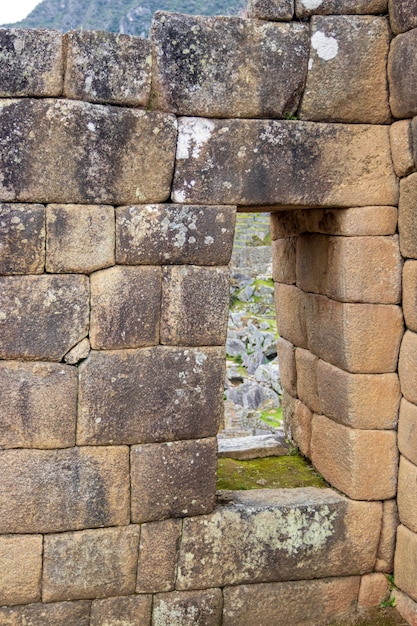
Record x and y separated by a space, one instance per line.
297 424
50 491
407 430
56 614
407 496
252 447
304 8
283 163
104 161
173 479
290 303
107 67
342 86
285 224
42 317
407 216
22 245
407 366
307 379
406 607
195 305
123 611
374 589
20 568
360 463
312 262
366 401
185 608
80 239
78 352
402 15
283 260
369 221
402 147
38 405
402 75
125 307
158 552
31 62
405 561
272 10
410 294
168 233
287 367
385 557
268 535
90 564
150 395
227 67
303 603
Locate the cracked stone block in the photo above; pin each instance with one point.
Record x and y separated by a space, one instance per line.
55 614
158 553
203 607
386 548
305 8
402 15
22 245
126 611
20 569
402 73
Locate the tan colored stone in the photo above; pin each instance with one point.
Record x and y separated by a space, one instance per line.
210 66
342 86
149 395
405 562
32 62
287 367
402 15
407 494
374 589
360 463
174 479
313 262
407 366
307 379
107 67
304 8
407 216
402 147
402 72
365 401
385 557
202 607
123 611
56 614
51 491
125 307
297 424
302 603
268 535
283 163
195 305
410 294
78 353
290 305
38 405
42 317
90 564
20 569
167 233
103 161
406 607
285 224
283 260
80 238
22 244
366 221
407 430
158 552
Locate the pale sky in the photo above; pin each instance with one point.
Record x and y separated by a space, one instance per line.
15 10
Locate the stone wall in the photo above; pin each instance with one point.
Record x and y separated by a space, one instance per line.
122 162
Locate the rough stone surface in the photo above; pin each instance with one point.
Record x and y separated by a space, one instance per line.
283 260
407 366
342 86
402 15
167 233
361 463
283 163
90 564
38 405
173 479
368 221
252 447
317 602
125 307
80 239
307 379
287 366
285 224
22 243
407 496
42 317
122 611
158 551
195 305
407 216
402 73
272 10
20 569
304 8
157 394
406 607
297 423
104 161
402 147
290 303
405 560
227 67
50 491
202 608
407 430
107 67
31 62
365 401
410 294
78 353
271 535
385 557
56 614
374 589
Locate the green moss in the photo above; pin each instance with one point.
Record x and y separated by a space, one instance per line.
273 417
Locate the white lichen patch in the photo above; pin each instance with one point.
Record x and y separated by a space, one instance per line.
311 4
326 47
194 133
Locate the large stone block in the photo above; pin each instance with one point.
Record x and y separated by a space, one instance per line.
174 234
269 535
407 430
227 67
297 423
283 163
55 614
42 317
20 569
365 401
287 365
402 73
402 147
283 260
158 552
123 611
285 224
407 216
360 463
195 305
38 405
407 366
307 379
410 294
32 62
107 67
22 245
174 479
385 557
90 564
200 608
406 607
64 151
407 495
405 561
374 590
369 221
50 491
306 602
272 10
290 303
304 8
80 239
342 86
125 307
150 395
402 15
